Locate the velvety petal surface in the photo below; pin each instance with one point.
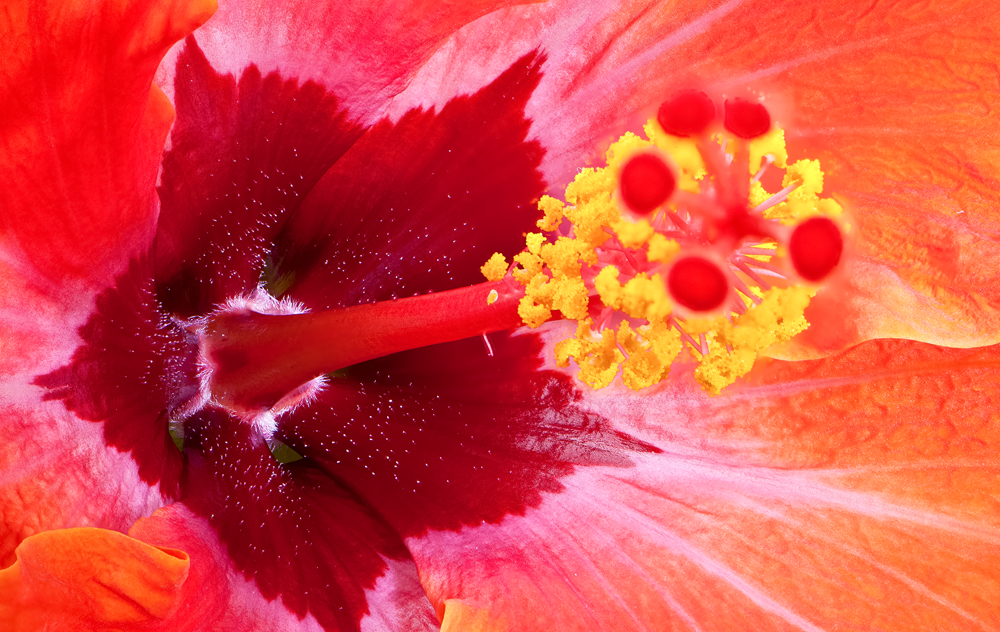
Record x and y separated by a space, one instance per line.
418 205
898 100
242 155
449 436
856 493
81 134
281 545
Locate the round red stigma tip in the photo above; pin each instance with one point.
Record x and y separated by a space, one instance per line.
697 284
815 248
646 183
686 114
746 119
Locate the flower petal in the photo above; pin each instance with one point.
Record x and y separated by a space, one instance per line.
417 206
86 579
82 133
897 100
856 492
280 545
449 436
242 155
363 53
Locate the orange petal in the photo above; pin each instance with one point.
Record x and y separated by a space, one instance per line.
88 579
83 132
856 492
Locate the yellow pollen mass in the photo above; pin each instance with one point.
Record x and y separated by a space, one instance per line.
534 242
594 262
661 249
684 152
649 356
492 297
645 297
777 318
633 235
553 210
597 356
772 143
495 268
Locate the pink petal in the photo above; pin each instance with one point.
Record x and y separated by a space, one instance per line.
849 493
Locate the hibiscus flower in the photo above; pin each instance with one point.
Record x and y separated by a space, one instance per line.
339 155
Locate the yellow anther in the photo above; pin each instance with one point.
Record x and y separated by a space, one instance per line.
829 207
645 297
599 359
492 297
732 350
802 202
623 149
553 210
533 314
562 257
650 357
571 298
534 242
758 195
495 268
772 143
531 265
590 184
696 326
662 249
562 273
633 235
608 287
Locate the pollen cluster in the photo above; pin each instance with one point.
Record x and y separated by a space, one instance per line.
611 263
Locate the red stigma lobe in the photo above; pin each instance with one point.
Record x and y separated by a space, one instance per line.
697 284
746 119
688 113
646 183
815 248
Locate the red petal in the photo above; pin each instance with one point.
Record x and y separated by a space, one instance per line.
82 138
362 53
417 206
243 155
82 135
281 544
420 435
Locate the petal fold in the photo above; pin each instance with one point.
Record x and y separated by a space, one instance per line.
90 579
